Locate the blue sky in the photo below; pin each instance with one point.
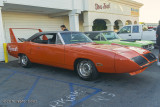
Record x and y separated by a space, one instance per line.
150 12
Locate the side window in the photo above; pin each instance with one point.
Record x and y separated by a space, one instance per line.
58 40
94 36
135 29
45 39
49 36
126 29
40 39
102 38
97 38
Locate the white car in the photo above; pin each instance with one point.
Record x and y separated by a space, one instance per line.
137 32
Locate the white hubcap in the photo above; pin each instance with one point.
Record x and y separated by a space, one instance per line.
24 60
85 68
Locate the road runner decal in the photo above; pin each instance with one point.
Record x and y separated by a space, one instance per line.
12 49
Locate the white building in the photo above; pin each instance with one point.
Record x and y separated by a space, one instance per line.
77 15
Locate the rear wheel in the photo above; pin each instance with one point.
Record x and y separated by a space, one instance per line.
87 70
24 61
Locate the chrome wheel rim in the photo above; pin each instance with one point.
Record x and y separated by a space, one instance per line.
85 68
24 60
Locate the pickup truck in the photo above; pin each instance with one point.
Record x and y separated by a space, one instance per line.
137 32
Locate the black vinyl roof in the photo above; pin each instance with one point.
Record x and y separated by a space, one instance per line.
48 32
98 31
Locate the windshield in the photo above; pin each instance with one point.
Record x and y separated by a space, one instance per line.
111 35
75 37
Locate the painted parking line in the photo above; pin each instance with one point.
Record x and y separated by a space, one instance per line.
5 80
71 92
52 79
85 98
30 92
73 103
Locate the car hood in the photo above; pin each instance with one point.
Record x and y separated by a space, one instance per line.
134 43
103 48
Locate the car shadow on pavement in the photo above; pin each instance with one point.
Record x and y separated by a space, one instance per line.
63 73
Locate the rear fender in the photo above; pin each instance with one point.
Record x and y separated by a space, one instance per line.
13 37
13 49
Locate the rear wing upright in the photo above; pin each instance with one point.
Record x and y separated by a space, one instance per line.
13 37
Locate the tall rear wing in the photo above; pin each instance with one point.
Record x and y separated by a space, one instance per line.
12 34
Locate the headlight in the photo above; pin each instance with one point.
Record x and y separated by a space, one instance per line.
151 57
140 60
145 47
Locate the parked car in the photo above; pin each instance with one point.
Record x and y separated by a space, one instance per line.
75 51
137 32
152 28
109 37
155 28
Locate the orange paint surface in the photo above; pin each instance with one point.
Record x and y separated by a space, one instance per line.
113 58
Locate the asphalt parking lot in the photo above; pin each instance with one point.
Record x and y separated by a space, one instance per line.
44 86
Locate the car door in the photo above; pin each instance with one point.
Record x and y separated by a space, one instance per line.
136 32
50 52
125 32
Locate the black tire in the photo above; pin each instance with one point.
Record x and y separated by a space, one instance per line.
24 61
87 70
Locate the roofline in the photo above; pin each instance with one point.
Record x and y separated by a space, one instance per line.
50 32
56 32
98 31
129 2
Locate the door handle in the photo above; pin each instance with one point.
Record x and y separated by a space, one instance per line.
129 35
38 47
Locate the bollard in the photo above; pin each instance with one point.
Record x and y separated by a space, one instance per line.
5 52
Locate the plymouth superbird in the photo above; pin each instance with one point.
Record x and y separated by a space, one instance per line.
75 51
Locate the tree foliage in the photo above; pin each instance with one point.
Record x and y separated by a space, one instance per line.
99 25
116 25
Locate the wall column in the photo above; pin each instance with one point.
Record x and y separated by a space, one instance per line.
87 27
2 38
110 27
120 26
74 22
88 22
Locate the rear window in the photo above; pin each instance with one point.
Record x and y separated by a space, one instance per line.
135 29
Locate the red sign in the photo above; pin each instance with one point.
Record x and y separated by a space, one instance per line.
104 6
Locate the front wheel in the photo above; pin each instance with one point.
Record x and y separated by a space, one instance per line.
87 70
24 61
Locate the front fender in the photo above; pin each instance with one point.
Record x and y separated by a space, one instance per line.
103 62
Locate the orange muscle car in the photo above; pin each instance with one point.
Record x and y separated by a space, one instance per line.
75 51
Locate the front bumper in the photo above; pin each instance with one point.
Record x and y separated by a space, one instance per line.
137 72
148 47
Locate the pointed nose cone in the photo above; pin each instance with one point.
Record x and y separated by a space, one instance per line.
125 65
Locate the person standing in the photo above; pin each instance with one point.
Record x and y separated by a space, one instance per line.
158 42
63 27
